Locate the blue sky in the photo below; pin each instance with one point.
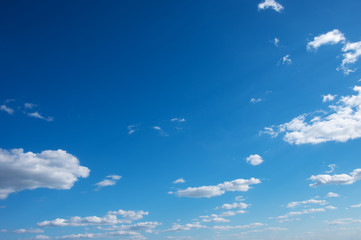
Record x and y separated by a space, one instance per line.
180 120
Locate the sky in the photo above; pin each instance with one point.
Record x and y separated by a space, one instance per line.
235 119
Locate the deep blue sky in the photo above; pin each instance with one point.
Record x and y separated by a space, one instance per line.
94 70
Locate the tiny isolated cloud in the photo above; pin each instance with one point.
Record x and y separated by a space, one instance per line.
328 98
330 38
39 116
286 60
332 168
356 205
6 109
332 195
179 180
29 105
108 181
160 130
270 4
178 119
51 169
276 42
254 159
255 100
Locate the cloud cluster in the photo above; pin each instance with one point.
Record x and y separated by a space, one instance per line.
272 4
341 124
238 185
21 170
336 179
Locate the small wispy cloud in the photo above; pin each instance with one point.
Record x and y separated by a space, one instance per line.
276 42
255 100
39 116
108 181
272 4
179 180
132 129
178 120
7 109
332 168
160 130
286 60
332 194
29 105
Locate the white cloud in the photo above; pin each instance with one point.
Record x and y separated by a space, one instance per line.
356 206
337 179
6 109
21 170
240 205
270 4
178 120
109 181
109 219
118 234
226 228
238 185
311 201
215 219
340 125
286 59
343 221
178 227
255 100
132 129
41 237
306 211
330 38
29 230
328 98
331 194
276 42
332 168
179 180
351 53
254 159
39 116
160 130
29 105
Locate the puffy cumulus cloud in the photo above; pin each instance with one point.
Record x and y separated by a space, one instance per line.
332 194
341 124
186 227
238 185
29 230
336 179
351 53
306 211
328 98
311 201
179 180
272 4
330 38
254 159
226 228
108 181
110 219
228 206
21 170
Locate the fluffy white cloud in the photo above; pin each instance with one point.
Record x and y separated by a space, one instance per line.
270 4
311 201
109 219
330 38
351 53
6 109
340 125
178 227
337 179
254 159
109 181
179 180
240 205
331 194
328 98
21 170
242 185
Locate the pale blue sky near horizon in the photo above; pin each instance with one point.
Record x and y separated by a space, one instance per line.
180 120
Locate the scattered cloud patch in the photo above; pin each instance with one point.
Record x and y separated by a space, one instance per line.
6 109
356 206
179 180
272 4
29 105
29 230
331 38
238 185
306 211
39 116
132 129
351 53
328 98
341 124
332 194
108 181
254 159
336 179
21 170
343 221
226 228
160 130
178 120
276 42
286 59
255 100
187 227
228 206
311 201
